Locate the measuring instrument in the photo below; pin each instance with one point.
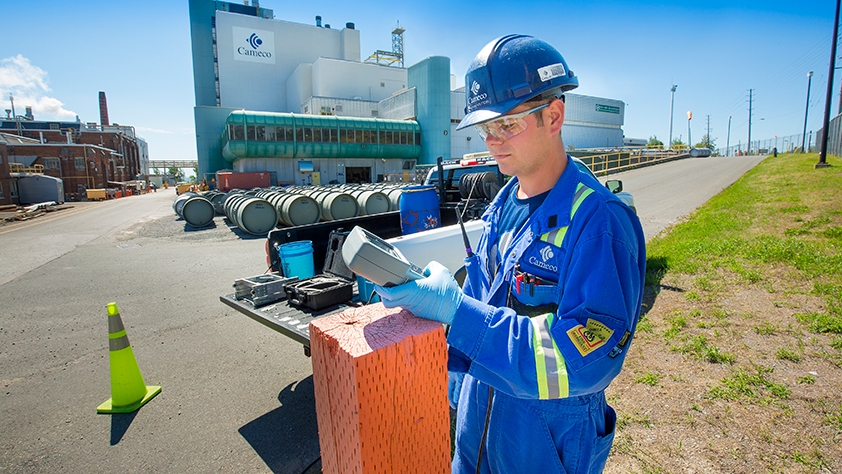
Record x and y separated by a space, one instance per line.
376 260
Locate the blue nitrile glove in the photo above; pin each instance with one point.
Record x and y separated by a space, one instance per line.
454 386
434 297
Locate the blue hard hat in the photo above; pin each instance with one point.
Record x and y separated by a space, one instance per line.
508 72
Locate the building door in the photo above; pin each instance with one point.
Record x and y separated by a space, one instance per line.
357 175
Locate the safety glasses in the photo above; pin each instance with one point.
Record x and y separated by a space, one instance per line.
507 126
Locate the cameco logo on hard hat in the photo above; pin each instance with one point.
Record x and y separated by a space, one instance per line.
477 99
257 46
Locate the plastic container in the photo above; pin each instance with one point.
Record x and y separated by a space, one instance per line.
297 259
365 289
419 207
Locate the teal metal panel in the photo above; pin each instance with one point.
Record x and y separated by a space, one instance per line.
431 79
248 134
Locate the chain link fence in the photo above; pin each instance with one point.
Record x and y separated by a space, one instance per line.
791 143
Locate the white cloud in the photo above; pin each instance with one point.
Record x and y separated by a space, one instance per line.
28 85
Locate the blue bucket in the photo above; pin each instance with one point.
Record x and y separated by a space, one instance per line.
297 259
419 209
366 291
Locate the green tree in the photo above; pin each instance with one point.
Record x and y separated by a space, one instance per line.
706 142
176 174
654 142
677 144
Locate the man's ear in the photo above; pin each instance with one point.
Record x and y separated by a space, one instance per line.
556 116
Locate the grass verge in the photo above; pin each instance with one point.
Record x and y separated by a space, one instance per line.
737 362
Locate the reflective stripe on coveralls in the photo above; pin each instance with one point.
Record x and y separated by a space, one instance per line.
550 368
555 237
549 364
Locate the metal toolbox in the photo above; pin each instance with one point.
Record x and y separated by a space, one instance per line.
262 289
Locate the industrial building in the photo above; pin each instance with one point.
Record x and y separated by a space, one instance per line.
298 101
81 155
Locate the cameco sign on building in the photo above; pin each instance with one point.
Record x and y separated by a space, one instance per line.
257 46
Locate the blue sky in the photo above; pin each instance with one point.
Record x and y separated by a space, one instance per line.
57 55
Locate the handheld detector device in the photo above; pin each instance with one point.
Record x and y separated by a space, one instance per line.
375 259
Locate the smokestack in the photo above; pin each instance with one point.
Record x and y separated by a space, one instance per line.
319 21
103 110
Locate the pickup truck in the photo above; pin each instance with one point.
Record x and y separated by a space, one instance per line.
444 244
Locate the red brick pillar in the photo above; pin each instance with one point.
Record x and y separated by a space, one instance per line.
380 378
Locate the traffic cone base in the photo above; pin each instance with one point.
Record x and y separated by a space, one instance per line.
107 407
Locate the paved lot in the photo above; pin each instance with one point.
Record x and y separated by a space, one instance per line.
236 396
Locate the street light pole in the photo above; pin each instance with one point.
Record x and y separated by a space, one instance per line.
672 102
728 141
823 151
806 111
689 139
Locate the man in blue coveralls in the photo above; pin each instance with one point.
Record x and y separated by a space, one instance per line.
553 293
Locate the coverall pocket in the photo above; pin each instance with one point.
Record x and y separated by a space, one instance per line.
532 298
602 445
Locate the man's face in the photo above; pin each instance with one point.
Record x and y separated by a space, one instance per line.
522 154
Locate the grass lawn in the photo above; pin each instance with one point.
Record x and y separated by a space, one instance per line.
737 361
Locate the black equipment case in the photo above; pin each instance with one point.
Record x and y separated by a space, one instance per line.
335 285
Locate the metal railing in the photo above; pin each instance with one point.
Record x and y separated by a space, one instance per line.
19 168
620 160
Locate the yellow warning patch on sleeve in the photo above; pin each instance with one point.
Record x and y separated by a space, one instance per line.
589 338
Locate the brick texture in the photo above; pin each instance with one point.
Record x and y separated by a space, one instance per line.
380 380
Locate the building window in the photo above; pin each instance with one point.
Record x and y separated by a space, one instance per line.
299 135
52 164
367 136
237 132
334 135
2 193
270 134
261 133
326 111
338 108
80 163
54 126
358 136
13 189
375 113
252 132
385 138
308 134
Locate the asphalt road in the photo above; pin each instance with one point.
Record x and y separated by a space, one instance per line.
237 397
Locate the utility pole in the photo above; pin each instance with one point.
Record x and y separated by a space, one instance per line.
708 139
728 141
672 102
806 111
749 121
823 153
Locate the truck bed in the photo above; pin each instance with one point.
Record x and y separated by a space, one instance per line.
290 320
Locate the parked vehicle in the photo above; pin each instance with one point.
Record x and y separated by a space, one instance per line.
445 244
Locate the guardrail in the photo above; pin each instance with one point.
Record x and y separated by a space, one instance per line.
612 162
19 168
